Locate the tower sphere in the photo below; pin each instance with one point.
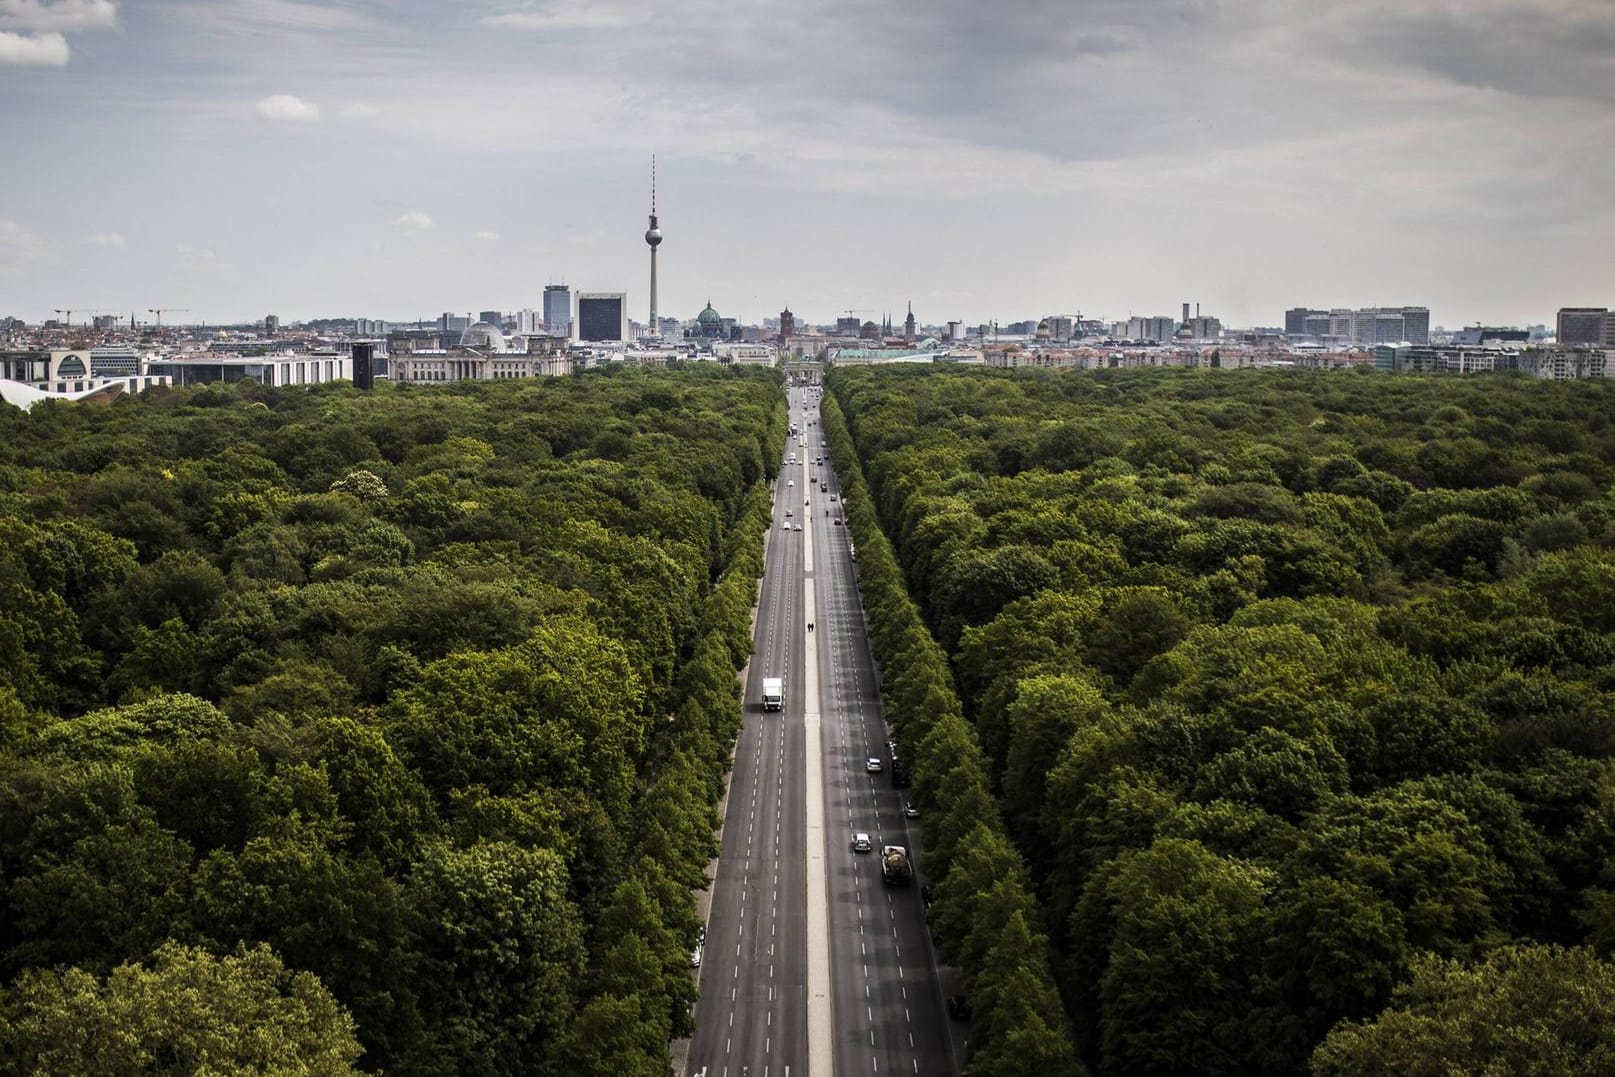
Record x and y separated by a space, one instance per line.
653 236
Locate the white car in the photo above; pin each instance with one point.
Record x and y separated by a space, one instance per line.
790 482
873 766
861 843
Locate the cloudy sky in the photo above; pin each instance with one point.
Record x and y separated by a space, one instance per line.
986 159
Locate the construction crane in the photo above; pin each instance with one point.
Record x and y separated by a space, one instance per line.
159 312
67 314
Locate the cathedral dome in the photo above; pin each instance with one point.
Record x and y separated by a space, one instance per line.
709 316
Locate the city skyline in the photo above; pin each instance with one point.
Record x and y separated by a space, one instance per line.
389 160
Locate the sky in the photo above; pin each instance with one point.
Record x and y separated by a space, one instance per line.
980 159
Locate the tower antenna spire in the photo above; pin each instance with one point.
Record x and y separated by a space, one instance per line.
653 239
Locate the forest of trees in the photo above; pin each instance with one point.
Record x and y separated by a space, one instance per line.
1265 720
370 731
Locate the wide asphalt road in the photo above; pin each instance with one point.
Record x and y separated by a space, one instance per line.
889 1015
885 1011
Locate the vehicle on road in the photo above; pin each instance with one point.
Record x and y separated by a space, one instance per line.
895 866
832 497
861 843
790 482
873 765
910 811
798 527
823 487
773 693
838 521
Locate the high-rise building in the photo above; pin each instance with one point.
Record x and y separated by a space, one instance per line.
492 317
558 309
602 316
1583 325
787 325
271 325
653 239
452 323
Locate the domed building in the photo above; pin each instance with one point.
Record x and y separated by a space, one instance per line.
483 335
1043 332
709 323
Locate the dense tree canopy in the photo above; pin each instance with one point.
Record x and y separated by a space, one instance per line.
1282 684
390 723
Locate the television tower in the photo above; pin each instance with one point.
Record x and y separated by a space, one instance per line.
653 237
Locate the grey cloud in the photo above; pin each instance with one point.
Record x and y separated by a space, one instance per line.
1532 49
62 16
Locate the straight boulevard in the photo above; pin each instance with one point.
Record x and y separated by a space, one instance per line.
763 1010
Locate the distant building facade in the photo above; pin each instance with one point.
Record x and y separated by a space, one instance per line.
281 370
545 356
602 316
558 310
1363 327
1585 325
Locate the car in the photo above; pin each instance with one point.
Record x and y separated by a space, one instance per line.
838 521
873 765
910 811
832 497
695 955
789 514
798 527
790 482
818 459
861 843
823 487
784 525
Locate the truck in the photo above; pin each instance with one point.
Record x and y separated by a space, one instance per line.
773 693
895 867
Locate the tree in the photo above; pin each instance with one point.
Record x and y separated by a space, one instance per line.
1182 962
189 1012
1046 711
1537 1011
502 947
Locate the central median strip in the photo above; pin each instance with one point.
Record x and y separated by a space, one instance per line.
821 1032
